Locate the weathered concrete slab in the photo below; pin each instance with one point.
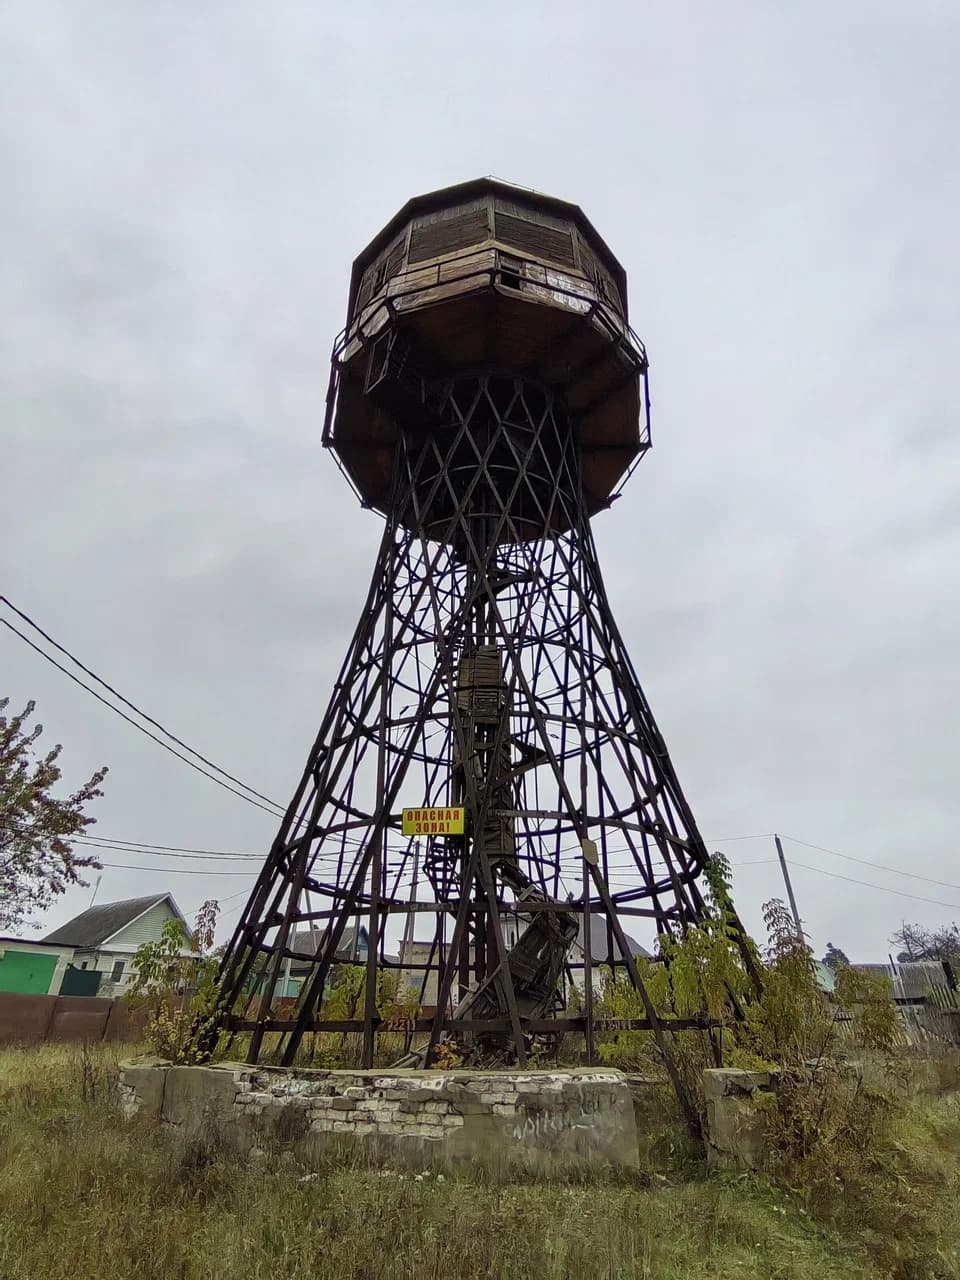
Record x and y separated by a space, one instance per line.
142 1086
720 1082
194 1097
517 1117
738 1103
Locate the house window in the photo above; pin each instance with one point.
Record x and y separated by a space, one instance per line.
117 973
510 271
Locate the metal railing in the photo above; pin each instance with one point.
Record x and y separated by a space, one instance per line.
399 293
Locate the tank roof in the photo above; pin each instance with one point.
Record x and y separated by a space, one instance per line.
473 190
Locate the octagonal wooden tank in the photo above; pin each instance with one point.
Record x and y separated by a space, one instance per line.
485 276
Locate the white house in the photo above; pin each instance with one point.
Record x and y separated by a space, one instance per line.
105 938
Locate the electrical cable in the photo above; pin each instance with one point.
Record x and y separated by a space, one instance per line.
910 875
141 846
123 715
760 835
848 857
175 871
193 857
164 851
149 719
868 884
232 897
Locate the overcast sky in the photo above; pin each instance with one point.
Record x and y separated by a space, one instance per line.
184 187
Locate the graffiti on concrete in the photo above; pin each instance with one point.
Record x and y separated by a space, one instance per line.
540 1124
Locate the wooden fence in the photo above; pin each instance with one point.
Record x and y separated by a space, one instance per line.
29 1020
934 1017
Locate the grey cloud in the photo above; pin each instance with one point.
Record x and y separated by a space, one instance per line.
184 190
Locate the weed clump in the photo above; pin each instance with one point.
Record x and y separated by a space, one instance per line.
861 1130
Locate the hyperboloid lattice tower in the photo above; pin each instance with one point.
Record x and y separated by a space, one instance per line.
489 808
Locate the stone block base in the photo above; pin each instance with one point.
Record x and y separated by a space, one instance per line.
584 1115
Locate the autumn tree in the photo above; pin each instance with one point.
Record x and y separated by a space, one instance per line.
833 957
37 858
917 943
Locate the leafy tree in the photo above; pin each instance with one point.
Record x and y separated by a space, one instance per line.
833 957
347 995
37 860
699 974
345 1000
868 997
917 943
791 1025
176 983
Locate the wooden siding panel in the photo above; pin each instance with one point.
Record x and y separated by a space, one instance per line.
148 928
432 239
535 239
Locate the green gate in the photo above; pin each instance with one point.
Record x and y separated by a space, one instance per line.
28 973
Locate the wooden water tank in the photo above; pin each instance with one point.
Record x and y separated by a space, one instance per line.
488 277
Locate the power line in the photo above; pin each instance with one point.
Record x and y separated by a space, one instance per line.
143 715
232 912
233 896
221 902
169 848
174 871
869 884
620 871
133 707
195 857
910 875
760 835
835 853
166 746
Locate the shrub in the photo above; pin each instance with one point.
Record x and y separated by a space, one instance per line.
176 984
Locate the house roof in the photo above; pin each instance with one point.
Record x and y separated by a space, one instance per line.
306 943
825 976
96 925
599 952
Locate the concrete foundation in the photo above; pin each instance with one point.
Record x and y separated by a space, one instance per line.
737 1106
518 1117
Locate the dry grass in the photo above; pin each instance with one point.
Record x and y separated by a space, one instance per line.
84 1194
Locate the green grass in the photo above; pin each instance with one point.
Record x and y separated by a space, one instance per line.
84 1194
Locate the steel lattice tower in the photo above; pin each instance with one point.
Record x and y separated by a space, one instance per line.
488 397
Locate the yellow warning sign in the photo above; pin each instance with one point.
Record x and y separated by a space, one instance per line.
433 822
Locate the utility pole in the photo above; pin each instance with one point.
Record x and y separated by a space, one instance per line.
786 881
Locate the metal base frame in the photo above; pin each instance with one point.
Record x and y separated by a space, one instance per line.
573 807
